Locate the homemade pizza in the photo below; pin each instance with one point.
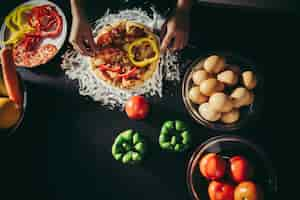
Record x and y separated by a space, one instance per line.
128 54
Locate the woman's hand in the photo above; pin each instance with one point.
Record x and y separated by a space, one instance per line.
176 31
81 36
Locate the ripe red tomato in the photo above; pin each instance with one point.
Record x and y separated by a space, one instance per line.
240 169
137 107
212 166
220 191
247 190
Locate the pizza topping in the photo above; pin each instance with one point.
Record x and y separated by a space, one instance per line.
129 74
13 21
15 25
105 39
43 21
104 67
143 52
46 20
135 30
115 36
28 25
29 43
112 56
35 57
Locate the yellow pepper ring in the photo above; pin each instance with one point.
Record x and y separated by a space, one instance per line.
19 12
146 61
8 22
14 23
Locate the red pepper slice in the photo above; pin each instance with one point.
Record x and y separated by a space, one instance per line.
30 42
57 29
129 74
50 15
103 67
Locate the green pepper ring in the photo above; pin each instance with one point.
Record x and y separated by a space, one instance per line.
129 147
174 136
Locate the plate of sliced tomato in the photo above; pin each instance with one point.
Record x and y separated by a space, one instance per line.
36 31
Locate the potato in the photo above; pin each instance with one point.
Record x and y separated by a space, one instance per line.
199 76
207 113
240 97
236 69
208 87
249 79
196 97
230 117
228 77
214 64
220 87
217 101
250 100
228 106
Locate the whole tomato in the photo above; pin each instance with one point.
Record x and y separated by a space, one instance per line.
247 190
212 166
220 191
240 169
137 107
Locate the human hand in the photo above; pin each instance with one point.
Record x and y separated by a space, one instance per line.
81 37
176 29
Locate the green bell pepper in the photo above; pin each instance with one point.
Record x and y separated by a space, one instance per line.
174 136
129 147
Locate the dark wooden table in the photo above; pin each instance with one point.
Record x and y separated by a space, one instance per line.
63 148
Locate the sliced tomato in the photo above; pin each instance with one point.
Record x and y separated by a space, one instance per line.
48 51
34 58
10 77
104 39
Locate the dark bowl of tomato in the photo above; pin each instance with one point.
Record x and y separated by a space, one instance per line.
230 167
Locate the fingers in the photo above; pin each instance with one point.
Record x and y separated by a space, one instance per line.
81 48
186 39
163 30
166 41
75 46
179 40
85 45
91 42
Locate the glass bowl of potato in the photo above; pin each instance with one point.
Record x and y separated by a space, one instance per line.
223 91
